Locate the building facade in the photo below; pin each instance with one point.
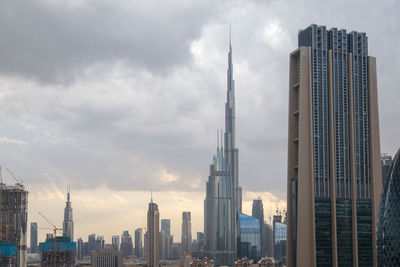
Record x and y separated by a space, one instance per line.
257 211
14 216
186 232
166 226
139 243
106 257
115 242
65 252
68 224
34 238
334 172
250 237
223 193
386 162
126 244
389 219
153 230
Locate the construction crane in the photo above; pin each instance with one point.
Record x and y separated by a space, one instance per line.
18 182
55 229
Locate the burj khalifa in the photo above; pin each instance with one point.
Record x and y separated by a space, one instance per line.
223 194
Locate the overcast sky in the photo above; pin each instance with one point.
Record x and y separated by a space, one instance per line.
117 98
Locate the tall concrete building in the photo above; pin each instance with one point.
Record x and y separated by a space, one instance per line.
34 237
139 243
153 229
68 224
14 216
115 242
334 169
186 232
257 211
223 194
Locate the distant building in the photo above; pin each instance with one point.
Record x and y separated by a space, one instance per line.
139 243
258 212
64 255
250 238
176 250
279 238
68 224
106 257
126 244
91 243
79 250
185 260
186 232
386 163
115 242
166 226
34 237
388 237
153 230
8 254
14 215
99 243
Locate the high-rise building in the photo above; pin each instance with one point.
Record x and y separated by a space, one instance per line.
334 170
389 218
223 196
106 257
279 234
166 226
99 243
115 242
68 224
153 230
14 215
79 250
386 162
257 211
34 237
91 243
250 237
186 232
63 255
139 243
126 244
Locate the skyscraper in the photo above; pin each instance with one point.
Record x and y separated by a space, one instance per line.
139 243
115 242
223 196
386 162
389 218
68 224
334 170
257 211
153 229
34 237
186 232
166 226
126 244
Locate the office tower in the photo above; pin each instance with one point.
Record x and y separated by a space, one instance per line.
80 249
176 250
64 255
115 242
186 232
389 218
279 237
162 238
91 243
223 195
153 230
386 162
334 172
99 243
139 242
257 211
14 216
34 237
250 237
106 257
166 226
126 244
68 224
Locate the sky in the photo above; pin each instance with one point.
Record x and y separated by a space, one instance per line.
118 98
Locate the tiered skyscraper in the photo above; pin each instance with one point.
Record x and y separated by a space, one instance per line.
152 235
68 224
224 195
334 170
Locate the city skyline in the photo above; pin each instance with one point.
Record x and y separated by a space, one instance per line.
81 120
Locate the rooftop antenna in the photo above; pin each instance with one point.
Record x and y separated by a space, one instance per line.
222 146
68 192
230 35
217 139
151 195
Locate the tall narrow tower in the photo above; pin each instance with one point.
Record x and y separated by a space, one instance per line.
186 232
334 171
68 224
153 229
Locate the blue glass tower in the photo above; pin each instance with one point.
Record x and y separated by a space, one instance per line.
250 237
389 218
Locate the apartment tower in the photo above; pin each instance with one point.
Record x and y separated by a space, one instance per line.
186 232
334 170
153 229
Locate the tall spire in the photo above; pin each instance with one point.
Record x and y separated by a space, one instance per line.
68 224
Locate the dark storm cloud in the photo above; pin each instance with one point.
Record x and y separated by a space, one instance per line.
54 41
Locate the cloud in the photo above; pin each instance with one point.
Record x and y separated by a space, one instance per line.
6 140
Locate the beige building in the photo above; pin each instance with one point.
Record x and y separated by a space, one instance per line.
107 257
334 173
152 235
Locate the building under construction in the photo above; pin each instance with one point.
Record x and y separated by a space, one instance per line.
62 256
8 254
13 219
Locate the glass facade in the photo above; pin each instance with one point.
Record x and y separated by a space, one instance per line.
389 220
250 242
280 240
